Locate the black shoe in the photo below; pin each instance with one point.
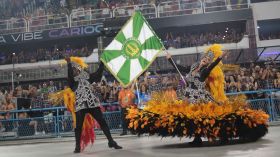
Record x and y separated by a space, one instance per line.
114 145
77 150
197 142
124 133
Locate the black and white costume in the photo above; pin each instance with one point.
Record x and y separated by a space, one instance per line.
87 102
195 90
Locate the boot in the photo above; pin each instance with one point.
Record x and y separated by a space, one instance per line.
78 139
77 150
197 142
114 145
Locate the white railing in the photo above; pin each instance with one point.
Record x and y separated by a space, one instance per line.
224 5
82 17
13 26
215 5
48 22
148 10
48 72
87 16
182 7
237 4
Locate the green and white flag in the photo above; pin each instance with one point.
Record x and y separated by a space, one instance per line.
133 50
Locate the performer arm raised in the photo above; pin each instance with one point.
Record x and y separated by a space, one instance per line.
205 72
96 76
70 78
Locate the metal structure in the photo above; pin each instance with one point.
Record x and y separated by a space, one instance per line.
83 17
87 16
48 22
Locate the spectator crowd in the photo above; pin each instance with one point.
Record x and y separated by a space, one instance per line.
171 41
182 40
269 36
28 8
44 54
252 77
247 78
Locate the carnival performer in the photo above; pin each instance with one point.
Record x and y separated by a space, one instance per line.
208 112
86 101
196 92
196 76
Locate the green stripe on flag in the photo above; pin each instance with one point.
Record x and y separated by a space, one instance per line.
137 25
110 54
143 62
124 72
152 43
120 37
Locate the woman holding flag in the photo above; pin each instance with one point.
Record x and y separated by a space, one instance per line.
206 113
196 76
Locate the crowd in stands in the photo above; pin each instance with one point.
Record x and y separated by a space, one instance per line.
182 40
253 78
246 78
43 54
270 36
28 8
171 41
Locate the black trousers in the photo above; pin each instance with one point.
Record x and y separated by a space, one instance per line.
98 116
124 121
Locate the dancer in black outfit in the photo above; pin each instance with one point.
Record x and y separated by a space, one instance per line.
86 102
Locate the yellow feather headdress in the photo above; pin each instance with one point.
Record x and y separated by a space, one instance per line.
77 61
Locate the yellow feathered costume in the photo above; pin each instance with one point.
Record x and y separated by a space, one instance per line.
216 79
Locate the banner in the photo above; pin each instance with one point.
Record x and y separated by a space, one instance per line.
132 51
50 34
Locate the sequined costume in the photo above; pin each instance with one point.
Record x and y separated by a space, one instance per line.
195 90
85 97
86 103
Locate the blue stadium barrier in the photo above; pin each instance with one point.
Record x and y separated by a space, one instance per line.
57 121
268 103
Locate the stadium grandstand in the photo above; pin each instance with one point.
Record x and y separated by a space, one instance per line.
36 36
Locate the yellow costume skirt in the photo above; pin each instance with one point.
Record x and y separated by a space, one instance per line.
232 119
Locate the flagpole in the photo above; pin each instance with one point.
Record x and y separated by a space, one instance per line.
137 89
182 77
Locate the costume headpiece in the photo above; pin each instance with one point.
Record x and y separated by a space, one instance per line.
214 51
209 54
78 63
